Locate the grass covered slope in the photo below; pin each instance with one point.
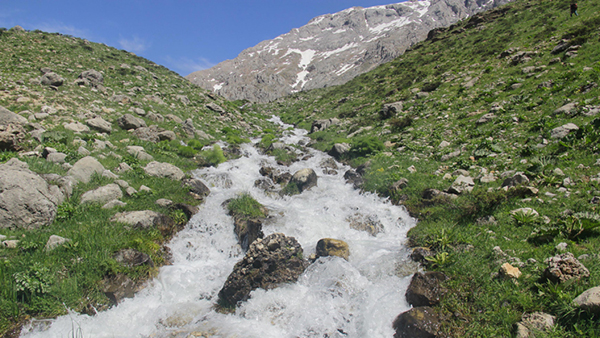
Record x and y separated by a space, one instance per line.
484 98
35 282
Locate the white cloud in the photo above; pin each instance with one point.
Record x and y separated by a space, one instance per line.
135 45
59 27
185 65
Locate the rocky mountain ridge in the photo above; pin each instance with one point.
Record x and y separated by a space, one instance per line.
332 49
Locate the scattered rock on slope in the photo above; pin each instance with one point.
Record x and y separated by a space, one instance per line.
27 201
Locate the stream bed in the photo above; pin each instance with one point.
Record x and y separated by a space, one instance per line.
358 297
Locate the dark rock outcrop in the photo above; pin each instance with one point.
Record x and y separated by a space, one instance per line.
425 289
418 322
197 188
269 262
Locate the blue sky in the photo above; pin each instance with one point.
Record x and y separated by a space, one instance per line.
183 36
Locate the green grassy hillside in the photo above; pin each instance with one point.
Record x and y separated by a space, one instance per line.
37 283
481 98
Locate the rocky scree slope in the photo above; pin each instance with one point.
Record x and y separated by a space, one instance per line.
488 133
95 148
331 49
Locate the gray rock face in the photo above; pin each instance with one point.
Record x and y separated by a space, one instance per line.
27 201
129 121
132 258
54 242
8 117
102 194
51 79
83 169
534 322
164 170
564 130
332 49
11 137
77 127
93 77
589 300
142 219
99 124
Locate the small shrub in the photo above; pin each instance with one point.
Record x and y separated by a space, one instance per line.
35 280
291 189
66 211
196 144
245 206
214 156
366 146
7 155
54 136
186 151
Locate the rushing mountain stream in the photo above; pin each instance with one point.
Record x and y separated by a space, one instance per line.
358 297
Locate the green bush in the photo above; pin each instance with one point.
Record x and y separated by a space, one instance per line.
214 156
366 146
245 206
196 144
186 151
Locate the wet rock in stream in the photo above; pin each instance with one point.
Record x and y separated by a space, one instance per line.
269 262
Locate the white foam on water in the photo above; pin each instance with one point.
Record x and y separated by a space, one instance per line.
359 297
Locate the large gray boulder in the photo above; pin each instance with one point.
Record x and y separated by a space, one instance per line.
83 169
304 179
51 79
102 194
564 130
129 121
11 137
93 77
140 219
27 201
166 170
532 323
8 117
589 300
100 124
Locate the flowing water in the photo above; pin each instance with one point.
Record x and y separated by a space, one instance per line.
333 298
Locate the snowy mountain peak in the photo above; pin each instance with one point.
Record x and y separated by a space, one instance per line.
332 49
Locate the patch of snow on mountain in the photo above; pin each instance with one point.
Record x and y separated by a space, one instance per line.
420 7
339 31
218 86
316 20
305 59
344 69
390 25
339 50
307 39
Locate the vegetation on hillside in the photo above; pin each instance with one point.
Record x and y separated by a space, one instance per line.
35 282
482 98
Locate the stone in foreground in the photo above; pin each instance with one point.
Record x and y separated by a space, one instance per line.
269 262
418 322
